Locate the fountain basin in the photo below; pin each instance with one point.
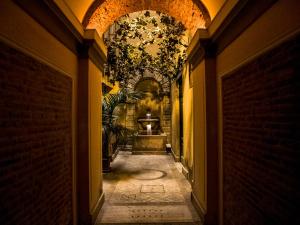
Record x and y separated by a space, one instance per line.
143 122
149 144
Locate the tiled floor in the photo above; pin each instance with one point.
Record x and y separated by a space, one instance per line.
146 189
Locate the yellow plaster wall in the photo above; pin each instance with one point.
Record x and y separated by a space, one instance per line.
30 37
187 119
95 134
213 7
175 120
222 13
79 7
199 169
281 20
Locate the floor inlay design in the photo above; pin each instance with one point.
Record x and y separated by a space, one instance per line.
146 189
134 192
152 189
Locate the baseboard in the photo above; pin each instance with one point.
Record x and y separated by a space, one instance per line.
198 207
176 158
149 152
115 154
185 172
97 208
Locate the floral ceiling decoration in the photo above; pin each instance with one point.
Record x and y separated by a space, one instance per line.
146 42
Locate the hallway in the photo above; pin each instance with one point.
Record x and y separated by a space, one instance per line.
146 189
216 82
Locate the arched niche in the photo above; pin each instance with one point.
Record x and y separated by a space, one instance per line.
152 98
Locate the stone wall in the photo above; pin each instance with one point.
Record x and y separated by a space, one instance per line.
35 142
261 133
130 119
166 117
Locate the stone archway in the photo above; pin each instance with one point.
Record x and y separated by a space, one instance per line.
103 13
192 13
164 82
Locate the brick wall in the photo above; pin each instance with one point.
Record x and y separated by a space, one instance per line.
35 142
261 106
193 15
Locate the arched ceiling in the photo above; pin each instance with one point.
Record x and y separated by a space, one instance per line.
102 13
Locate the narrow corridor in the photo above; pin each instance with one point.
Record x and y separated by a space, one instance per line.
146 189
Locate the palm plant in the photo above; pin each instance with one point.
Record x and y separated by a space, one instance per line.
110 127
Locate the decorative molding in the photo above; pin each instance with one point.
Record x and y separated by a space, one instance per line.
220 149
47 14
204 49
239 19
89 49
199 208
90 11
193 45
200 47
176 158
186 171
29 52
204 12
284 37
196 56
243 14
69 13
97 208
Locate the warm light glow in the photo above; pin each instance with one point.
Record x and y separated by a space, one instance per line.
148 129
109 11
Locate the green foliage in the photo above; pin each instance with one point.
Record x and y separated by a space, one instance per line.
109 126
111 101
127 49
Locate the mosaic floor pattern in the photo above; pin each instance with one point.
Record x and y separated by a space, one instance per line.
146 189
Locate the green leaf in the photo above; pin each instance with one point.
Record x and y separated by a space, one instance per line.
147 14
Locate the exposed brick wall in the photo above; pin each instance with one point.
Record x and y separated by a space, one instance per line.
261 106
102 14
35 142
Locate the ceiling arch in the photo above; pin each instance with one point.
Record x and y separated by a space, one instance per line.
165 83
102 13
81 7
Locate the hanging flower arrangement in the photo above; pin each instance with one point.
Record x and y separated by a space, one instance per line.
148 41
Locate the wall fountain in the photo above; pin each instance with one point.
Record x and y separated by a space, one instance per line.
150 138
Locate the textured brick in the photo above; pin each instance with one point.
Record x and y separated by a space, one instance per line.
261 139
185 11
35 142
